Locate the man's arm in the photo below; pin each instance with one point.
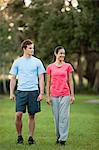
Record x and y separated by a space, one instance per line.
71 86
12 87
41 86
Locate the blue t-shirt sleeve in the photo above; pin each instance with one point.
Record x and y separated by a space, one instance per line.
14 69
41 68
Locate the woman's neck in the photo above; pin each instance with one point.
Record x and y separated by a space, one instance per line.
59 63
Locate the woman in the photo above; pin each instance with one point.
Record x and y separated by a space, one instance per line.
60 93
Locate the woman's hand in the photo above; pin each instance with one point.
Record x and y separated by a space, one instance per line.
72 99
48 100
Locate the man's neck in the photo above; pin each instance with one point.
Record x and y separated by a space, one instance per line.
27 56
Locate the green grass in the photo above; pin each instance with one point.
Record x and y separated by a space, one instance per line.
83 132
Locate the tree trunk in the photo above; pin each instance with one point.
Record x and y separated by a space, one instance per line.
80 72
96 82
90 72
4 82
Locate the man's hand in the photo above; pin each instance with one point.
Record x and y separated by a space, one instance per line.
12 97
40 97
72 99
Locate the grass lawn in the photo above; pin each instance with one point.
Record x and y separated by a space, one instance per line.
83 133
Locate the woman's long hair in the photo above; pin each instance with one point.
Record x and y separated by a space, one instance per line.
57 49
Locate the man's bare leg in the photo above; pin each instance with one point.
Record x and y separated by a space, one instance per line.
19 127
31 126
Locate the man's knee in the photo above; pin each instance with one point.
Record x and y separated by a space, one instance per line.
31 116
19 115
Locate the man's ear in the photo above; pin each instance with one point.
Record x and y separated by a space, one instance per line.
24 49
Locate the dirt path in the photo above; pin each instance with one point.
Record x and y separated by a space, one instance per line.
93 101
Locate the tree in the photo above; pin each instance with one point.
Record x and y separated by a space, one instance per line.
48 26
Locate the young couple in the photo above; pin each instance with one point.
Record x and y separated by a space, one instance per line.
30 90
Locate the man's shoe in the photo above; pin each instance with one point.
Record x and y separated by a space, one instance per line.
62 143
20 139
31 141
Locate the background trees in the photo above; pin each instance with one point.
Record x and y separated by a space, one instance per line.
47 25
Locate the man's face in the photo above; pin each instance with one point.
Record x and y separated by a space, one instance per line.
29 50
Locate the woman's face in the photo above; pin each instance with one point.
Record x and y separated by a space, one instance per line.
61 55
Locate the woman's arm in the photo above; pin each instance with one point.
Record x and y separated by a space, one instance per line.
48 84
71 86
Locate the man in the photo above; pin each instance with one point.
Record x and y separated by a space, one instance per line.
30 88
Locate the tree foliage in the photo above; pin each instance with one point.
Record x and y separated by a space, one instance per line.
45 23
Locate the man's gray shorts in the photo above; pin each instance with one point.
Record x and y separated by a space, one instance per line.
27 99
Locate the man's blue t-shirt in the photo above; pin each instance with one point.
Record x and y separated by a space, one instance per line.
27 70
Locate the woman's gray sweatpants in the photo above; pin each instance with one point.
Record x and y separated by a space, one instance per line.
61 112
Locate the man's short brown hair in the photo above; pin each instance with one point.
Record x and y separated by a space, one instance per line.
25 43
